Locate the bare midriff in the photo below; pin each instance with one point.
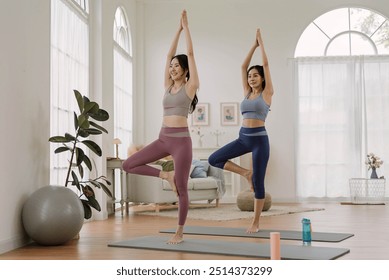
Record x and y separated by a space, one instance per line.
252 123
175 121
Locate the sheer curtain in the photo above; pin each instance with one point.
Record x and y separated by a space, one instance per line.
341 117
69 70
123 98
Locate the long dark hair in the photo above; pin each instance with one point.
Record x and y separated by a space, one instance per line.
183 61
261 73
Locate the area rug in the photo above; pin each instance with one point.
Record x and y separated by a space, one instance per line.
226 212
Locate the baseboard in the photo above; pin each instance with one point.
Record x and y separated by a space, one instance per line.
361 203
13 243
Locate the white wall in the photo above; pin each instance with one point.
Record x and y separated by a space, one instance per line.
24 106
222 32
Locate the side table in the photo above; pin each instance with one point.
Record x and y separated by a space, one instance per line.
112 165
367 191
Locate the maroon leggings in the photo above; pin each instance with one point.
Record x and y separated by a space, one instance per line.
174 141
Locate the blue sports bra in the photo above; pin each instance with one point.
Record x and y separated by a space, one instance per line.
254 108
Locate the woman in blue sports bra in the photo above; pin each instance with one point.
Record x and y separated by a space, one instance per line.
258 92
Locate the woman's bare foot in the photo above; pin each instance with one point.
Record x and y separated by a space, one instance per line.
253 228
258 206
169 176
178 237
249 178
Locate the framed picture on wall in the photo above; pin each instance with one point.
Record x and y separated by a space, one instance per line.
200 116
229 113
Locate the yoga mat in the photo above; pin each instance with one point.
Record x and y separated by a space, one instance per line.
264 233
242 249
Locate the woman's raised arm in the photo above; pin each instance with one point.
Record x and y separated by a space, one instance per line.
193 83
172 52
268 91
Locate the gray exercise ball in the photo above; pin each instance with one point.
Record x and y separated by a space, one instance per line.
53 215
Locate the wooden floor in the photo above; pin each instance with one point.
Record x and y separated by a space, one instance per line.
369 223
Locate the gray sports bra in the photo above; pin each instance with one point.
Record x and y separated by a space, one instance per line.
254 108
177 104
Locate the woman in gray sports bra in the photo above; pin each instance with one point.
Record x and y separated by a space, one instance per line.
258 92
174 137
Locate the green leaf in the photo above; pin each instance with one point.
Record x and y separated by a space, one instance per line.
88 191
83 133
79 156
80 100
61 149
106 180
87 162
94 203
94 183
83 121
86 100
106 189
101 115
81 170
59 139
93 146
91 107
87 209
76 182
75 121
93 131
98 126
70 137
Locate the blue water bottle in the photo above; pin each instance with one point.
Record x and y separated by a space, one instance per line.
307 232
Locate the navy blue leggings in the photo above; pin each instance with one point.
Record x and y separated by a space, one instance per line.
253 140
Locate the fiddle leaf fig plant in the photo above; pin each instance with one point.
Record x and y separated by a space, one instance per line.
84 127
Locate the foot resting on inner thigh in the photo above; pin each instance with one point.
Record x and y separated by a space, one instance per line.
169 176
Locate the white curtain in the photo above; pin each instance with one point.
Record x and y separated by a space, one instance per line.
69 71
342 115
123 99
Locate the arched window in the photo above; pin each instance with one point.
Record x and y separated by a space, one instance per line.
341 81
345 31
123 98
69 71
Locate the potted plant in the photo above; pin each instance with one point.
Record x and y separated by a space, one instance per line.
53 215
373 162
84 127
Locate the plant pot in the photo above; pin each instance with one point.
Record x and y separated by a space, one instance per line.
53 215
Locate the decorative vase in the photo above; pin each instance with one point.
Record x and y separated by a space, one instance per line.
373 174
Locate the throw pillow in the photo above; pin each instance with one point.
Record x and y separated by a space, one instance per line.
167 165
200 169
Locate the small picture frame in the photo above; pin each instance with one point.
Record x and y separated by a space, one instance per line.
200 115
229 113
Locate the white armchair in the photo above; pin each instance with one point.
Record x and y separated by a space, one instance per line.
147 189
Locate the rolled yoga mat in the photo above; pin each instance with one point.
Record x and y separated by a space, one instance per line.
242 249
263 233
